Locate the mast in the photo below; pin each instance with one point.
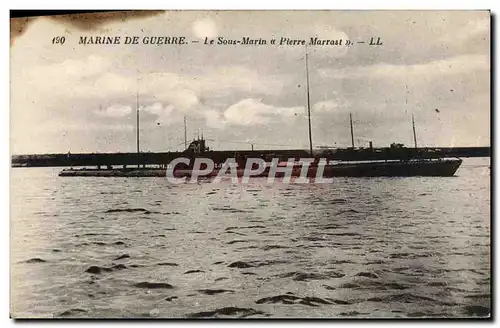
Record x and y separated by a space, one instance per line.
412 117
308 107
185 134
352 131
414 133
137 120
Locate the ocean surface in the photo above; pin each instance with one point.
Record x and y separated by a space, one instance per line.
142 247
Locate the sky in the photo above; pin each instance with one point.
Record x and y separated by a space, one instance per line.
434 65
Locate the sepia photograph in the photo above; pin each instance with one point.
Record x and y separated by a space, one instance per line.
250 164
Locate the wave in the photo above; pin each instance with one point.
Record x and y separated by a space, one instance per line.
347 211
338 201
307 276
289 299
72 312
171 298
227 311
240 265
130 210
408 298
245 227
367 275
269 247
215 291
375 285
229 209
255 264
193 271
153 285
35 260
238 241
167 264
477 311
350 234
94 269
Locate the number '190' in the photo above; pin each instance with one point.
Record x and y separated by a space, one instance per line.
58 40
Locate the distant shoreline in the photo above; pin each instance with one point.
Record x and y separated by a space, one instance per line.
157 158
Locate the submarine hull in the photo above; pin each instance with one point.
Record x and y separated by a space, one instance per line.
367 169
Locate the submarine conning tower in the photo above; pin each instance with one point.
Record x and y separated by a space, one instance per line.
197 146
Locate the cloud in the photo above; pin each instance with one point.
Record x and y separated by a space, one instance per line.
255 112
163 112
69 79
55 127
114 111
97 77
472 29
462 64
225 79
71 69
183 99
205 27
106 85
75 68
170 114
214 119
326 106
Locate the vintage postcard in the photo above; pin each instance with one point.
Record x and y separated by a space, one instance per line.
250 164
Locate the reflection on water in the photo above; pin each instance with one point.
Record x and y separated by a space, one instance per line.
141 247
